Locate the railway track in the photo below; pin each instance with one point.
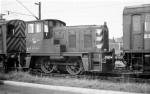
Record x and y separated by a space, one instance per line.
95 76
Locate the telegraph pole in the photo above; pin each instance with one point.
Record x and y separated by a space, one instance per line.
39 4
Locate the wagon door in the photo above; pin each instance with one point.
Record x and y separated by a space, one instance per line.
137 32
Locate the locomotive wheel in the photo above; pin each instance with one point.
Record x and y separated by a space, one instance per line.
76 67
46 66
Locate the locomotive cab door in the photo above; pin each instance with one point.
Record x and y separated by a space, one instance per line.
47 30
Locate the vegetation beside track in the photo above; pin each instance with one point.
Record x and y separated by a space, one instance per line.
74 82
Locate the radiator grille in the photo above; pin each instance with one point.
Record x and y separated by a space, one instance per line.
87 41
72 41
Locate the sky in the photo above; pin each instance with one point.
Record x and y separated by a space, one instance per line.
73 12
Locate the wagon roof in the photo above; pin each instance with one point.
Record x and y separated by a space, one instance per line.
144 8
138 6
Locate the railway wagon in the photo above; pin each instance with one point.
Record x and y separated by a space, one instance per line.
12 44
53 46
136 37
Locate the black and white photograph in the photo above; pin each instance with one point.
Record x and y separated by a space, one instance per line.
74 47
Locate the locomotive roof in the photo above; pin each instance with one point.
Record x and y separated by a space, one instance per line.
83 26
144 8
86 26
80 26
48 20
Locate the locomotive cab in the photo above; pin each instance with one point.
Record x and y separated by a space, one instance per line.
40 36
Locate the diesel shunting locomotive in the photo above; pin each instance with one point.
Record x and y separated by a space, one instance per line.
54 46
50 45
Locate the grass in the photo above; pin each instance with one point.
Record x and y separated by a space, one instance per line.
85 83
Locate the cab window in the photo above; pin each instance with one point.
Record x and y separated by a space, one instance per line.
31 28
38 27
10 31
46 31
